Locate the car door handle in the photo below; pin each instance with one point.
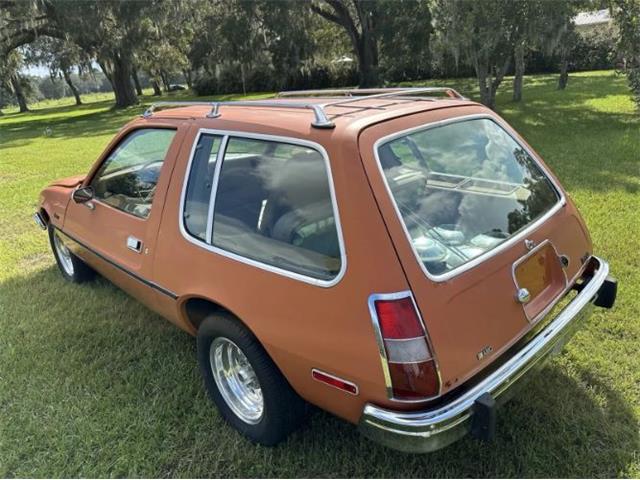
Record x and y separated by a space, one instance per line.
134 244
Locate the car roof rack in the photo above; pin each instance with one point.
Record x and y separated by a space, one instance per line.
320 117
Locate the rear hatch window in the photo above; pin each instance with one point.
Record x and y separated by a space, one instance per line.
463 189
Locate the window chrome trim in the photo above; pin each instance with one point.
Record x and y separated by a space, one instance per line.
214 182
226 134
504 245
383 352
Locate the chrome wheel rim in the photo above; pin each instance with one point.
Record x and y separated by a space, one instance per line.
64 255
236 380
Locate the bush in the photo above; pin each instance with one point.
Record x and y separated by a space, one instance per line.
205 84
228 79
595 50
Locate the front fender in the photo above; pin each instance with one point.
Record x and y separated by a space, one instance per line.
53 201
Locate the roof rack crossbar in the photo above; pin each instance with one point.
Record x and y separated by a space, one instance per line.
320 117
157 105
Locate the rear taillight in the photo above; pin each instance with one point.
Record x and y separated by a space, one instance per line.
407 360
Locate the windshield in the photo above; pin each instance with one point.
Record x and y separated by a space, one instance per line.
462 189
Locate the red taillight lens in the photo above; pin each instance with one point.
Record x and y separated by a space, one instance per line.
412 381
398 318
409 361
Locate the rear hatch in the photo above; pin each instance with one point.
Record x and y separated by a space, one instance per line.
485 235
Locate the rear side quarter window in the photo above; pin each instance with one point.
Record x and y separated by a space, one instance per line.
271 205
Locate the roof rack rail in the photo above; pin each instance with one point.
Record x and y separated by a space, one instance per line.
320 117
352 92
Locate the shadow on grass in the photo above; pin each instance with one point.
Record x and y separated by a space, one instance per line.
87 120
130 383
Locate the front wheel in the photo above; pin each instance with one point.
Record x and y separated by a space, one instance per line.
244 383
72 268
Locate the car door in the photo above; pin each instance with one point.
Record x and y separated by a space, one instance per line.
116 230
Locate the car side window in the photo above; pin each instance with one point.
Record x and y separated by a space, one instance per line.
273 205
198 192
128 178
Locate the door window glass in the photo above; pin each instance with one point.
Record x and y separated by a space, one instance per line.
127 180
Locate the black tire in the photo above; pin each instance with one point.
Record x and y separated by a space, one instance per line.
80 272
283 410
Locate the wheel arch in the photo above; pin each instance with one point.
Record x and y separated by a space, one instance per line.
194 309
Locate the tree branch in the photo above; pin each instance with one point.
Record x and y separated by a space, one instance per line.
326 15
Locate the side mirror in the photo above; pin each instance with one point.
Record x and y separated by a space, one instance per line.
82 195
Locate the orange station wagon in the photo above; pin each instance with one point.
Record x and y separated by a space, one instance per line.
398 257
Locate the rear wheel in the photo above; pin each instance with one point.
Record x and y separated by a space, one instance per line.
244 383
72 268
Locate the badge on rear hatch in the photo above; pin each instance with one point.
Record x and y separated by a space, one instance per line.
484 352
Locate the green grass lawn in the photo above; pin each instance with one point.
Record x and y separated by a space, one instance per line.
93 384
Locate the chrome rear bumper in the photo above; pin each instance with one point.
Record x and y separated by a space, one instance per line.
429 430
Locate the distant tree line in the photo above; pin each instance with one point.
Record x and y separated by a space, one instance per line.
224 46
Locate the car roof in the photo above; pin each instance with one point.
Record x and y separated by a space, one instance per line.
344 113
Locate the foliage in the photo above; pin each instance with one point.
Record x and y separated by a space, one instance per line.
595 49
59 55
360 20
627 16
223 46
484 34
404 37
167 31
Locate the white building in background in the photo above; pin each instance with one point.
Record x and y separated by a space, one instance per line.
592 21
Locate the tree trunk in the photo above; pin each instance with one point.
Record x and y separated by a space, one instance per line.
188 78
16 84
482 74
244 83
564 71
136 80
367 65
489 78
487 94
157 91
118 71
74 89
165 80
364 42
519 72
